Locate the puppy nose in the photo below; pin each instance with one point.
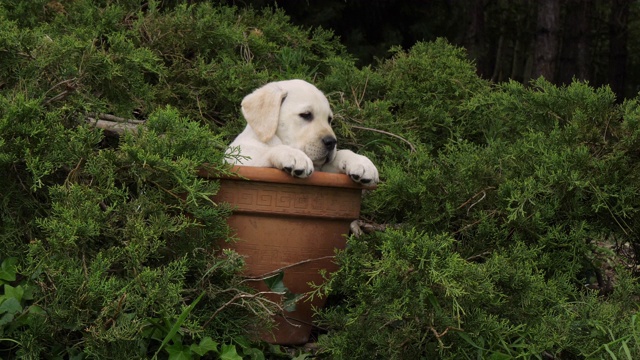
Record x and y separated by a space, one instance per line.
329 142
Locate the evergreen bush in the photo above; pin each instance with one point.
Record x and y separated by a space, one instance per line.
113 241
511 209
516 225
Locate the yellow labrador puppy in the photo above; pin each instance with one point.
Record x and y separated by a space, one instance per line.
289 128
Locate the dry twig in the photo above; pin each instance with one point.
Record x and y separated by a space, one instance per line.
482 192
271 273
114 118
413 148
241 295
112 123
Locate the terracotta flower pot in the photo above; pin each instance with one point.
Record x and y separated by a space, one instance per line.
291 225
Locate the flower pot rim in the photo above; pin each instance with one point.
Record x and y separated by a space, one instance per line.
272 175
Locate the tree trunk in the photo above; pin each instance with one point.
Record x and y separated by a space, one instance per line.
476 39
618 53
546 48
575 54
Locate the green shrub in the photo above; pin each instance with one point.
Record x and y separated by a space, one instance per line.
114 239
411 295
509 217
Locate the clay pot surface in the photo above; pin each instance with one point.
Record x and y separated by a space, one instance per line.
292 225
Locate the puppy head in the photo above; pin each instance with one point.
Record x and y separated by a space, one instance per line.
297 114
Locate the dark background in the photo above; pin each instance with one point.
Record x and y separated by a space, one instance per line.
591 40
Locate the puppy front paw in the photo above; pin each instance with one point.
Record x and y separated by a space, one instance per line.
363 172
358 167
292 161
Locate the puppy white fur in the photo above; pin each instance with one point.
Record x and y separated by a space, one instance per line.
289 128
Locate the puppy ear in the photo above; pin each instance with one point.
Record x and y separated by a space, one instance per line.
261 109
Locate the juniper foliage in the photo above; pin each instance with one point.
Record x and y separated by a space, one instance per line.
517 214
116 238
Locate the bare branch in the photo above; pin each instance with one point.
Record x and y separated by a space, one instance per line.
112 126
481 192
241 296
60 96
114 118
413 148
271 273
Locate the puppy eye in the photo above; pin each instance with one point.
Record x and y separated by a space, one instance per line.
307 115
330 119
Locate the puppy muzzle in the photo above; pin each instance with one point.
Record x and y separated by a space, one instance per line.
319 163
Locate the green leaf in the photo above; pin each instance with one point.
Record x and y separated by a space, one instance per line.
228 352
500 356
6 318
613 356
253 354
205 345
179 352
626 349
276 283
10 306
37 310
248 351
467 338
8 269
290 300
276 350
176 326
8 309
13 292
